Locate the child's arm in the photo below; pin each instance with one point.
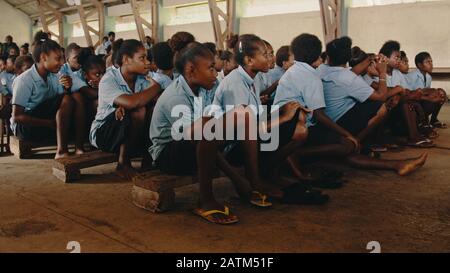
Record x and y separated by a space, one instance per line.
381 93
89 92
130 102
321 117
270 90
19 116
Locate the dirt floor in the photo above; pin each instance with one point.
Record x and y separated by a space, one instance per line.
38 213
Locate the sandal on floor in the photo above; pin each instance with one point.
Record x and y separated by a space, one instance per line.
260 200
376 148
301 195
422 144
208 216
439 125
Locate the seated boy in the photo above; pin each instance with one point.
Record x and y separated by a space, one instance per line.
431 99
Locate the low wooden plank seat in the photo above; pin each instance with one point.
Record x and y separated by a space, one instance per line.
68 169
155 190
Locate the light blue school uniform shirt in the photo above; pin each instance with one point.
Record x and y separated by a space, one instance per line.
6 81
30 90
342 90
164 124
262 81
77 78
237 88
162 79
275 74
397 78
301 83
416 80
112 85
78 81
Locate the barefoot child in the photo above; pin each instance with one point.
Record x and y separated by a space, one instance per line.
123 94
41 101
432 99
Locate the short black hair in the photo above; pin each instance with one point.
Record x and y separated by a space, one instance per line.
212 47
244 45
111 33
162 55
190 54
70 48
339 51
43 44
125 48
21 60
306 48
358 55
88 60
282 55
389 47
403 55
421 57
226 55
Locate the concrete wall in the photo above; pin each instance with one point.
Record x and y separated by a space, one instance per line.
15 23
418 27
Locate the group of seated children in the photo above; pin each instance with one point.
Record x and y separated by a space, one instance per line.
160 104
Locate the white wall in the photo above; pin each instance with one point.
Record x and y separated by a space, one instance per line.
203 32
418 27
15 23
281 33
279 30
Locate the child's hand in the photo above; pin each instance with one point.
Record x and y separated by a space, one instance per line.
120 113
381 64
94 84
264 99
66 82
355 142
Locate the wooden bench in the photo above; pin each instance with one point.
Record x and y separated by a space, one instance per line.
23 149
154 190
68 169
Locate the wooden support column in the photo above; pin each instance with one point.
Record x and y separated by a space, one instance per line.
44 7
88 30
141 22
330 13
229 18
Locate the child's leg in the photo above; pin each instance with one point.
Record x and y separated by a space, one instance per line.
438 106
134 136
410 117
402 167
373 123
80 122
63 118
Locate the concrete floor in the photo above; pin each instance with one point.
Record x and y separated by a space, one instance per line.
412 214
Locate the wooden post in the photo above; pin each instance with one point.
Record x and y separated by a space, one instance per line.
84 24
141 22
229 17
330 13
43 8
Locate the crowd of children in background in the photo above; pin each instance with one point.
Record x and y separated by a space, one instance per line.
335 101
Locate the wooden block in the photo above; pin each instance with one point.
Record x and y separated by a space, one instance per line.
85 160
67 176
152 201
68 169
158 182
21 149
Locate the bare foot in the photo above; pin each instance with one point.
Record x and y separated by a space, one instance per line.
411 165
62 155
126 172
79 151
